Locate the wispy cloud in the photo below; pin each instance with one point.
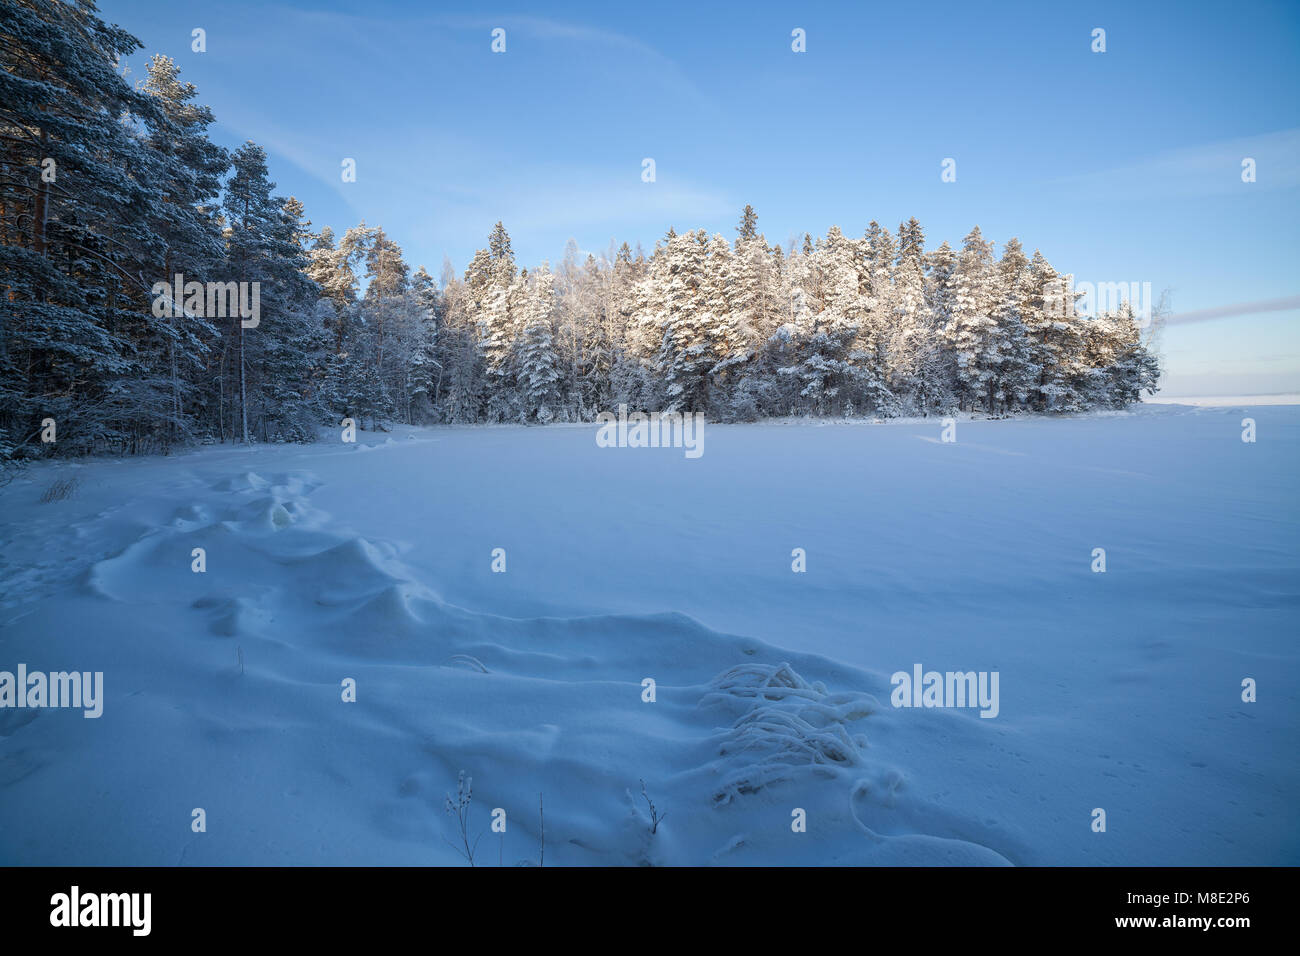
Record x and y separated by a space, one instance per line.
1205 170
651 66
591 205
462 179
1284 304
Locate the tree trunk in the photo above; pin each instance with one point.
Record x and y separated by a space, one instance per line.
42 205
243 393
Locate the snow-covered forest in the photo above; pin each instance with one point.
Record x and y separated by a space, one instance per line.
110 185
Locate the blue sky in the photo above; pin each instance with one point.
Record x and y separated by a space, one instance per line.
1121 166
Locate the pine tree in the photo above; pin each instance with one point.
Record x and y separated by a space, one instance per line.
82 199
916 371
971 332
875 315
726 321
499 248
417 346
331 269
1009 355
385 306
273 360
686 352
1054 339
539 374
189 170
1128 367
748 229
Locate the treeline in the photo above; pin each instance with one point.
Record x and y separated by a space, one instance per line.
745 330
108 189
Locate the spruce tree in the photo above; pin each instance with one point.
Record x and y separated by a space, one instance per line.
971 329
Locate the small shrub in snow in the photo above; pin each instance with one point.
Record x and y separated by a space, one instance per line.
786 726
459 808
655 816
61 489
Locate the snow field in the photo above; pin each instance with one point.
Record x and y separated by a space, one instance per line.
772 693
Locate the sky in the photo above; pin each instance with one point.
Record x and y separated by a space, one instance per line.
1121 166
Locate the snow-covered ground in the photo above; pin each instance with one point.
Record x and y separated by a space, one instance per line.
223 690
